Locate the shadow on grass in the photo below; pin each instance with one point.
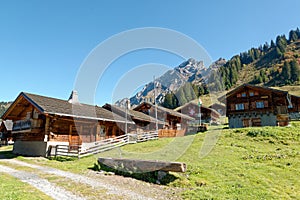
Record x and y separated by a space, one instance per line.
150 177
7 154
63 158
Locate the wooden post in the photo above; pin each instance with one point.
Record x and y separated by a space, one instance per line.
79 135
98 132
70 134
47 128
114 131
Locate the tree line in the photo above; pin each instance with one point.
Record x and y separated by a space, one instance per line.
226 76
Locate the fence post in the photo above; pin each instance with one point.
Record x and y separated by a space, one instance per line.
79 148
56 146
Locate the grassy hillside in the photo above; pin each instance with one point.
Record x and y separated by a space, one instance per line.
294 90
249 163
253 163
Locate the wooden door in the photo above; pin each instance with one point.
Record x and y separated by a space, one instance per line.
74 138
246 122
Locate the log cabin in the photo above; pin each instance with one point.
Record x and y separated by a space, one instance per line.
143 123
176 124
219 107
5 132
191 109
249 105
294 109
40 122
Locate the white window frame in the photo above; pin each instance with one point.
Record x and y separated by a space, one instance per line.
260 104
239 106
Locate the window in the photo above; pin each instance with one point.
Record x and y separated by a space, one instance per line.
260 104
102 131
239 95
239 106
251 93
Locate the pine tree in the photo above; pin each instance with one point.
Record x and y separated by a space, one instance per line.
181 96
286 72
272 44
189 92
281 43
293 36
295 71
298 33
266 47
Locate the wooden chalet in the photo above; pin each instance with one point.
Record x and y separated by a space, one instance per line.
250 105
143 123
176 123
40 122
5 132
191 109
220 108
294 108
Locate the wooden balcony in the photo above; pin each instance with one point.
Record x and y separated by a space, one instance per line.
282 110
27 125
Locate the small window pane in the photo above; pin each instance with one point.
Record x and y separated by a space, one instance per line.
239 106
260 104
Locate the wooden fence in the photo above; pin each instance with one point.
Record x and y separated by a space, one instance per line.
171 133
103 145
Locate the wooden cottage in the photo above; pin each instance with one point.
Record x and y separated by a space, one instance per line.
5 132
143 123
40 122
250 105
176 123
191 109
219 107
294 108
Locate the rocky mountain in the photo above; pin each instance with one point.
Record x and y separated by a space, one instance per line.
191 71
273 64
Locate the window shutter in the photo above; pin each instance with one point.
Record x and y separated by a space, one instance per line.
232 106
266 104
253 105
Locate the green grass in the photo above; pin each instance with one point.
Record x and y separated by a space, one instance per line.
249 163
292 89
13 189
233 164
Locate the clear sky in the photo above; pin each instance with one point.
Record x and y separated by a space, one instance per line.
44 43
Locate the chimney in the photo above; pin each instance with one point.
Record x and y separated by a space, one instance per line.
128 105
73 99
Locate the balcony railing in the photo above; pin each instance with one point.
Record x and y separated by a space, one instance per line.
27 124
282 110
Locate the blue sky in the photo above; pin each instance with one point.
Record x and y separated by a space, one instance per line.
44 43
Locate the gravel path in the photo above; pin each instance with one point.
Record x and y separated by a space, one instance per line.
111 189
43 185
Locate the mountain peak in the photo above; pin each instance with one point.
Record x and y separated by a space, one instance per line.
189 71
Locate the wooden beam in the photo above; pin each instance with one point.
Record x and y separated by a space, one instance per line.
70 134
89 121
133 165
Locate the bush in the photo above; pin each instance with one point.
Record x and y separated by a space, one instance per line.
255 133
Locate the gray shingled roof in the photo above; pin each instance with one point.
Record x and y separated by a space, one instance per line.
132 113
49 105
167 110
183 106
